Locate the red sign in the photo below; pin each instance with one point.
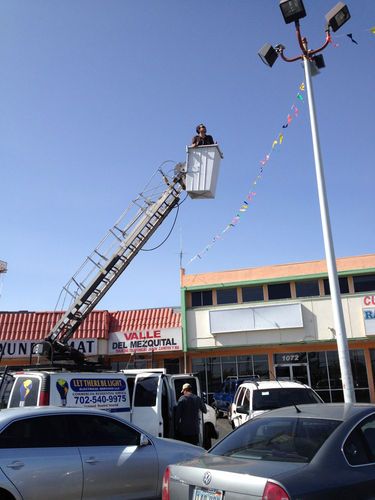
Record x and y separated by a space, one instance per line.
369 300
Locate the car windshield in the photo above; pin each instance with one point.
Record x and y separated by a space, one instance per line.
285 439
283 396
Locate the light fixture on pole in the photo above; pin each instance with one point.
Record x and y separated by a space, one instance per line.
337 16
268 54
293 10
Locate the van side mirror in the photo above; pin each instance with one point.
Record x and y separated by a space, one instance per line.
144 441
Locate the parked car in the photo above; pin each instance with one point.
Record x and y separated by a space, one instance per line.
306 453
223 399
253 398
77 453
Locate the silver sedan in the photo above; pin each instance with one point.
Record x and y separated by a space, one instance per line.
65 453
307 452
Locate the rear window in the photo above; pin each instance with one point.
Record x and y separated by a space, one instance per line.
283 439
25 392
280 397
180 381
146 391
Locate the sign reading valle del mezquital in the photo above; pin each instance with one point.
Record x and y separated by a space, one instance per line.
163 339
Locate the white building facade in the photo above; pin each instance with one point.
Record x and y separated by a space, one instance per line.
277 321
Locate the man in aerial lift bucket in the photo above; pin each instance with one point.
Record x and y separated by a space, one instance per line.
202 139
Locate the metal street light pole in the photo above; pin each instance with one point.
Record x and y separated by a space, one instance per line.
341 337
293 10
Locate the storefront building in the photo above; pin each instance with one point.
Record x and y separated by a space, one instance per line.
277 321
145 338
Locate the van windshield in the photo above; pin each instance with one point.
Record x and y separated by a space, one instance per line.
284 396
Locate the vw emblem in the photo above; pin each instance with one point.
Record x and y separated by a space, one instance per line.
207 478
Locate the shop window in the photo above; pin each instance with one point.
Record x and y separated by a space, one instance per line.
203 298
229 368
245 365
307 288
199 369
213 371
172 365
252 293
214 377
261 368
279 291
358 363
343 284
318 370
364 283
325 375
226 296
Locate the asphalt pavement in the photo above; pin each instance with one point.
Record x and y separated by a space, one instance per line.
224 428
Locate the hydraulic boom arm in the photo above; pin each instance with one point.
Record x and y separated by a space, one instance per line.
102 268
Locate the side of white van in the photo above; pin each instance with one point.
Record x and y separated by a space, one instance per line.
145 397
104 391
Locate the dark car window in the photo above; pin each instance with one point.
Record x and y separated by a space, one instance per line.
278 398
246 400
6 384
36 432
359 448
146 391
239 396
95 430
284 439
25 392
180 381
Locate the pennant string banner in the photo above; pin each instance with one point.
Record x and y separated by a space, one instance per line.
278 140
245 205
351 36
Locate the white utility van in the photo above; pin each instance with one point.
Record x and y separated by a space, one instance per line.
145 397
253 398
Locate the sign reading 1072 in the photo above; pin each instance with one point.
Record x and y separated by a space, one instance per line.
287 358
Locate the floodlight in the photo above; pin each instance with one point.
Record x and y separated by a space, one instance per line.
292 10
319 61
338 16
268 54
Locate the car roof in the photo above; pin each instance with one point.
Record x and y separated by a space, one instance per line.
272 384
332 411
9 414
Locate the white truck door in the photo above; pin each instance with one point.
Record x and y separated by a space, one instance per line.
147 403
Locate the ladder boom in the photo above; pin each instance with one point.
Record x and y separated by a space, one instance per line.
107 270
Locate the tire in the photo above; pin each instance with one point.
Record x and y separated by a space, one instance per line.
207 437
5 495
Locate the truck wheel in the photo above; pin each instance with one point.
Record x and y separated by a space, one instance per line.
5 495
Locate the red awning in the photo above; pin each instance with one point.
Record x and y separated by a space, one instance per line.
37 325
142 319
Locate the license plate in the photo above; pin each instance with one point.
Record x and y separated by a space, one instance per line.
200 494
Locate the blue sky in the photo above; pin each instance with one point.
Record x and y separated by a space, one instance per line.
95 95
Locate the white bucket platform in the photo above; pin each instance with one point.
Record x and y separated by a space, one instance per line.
202 170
